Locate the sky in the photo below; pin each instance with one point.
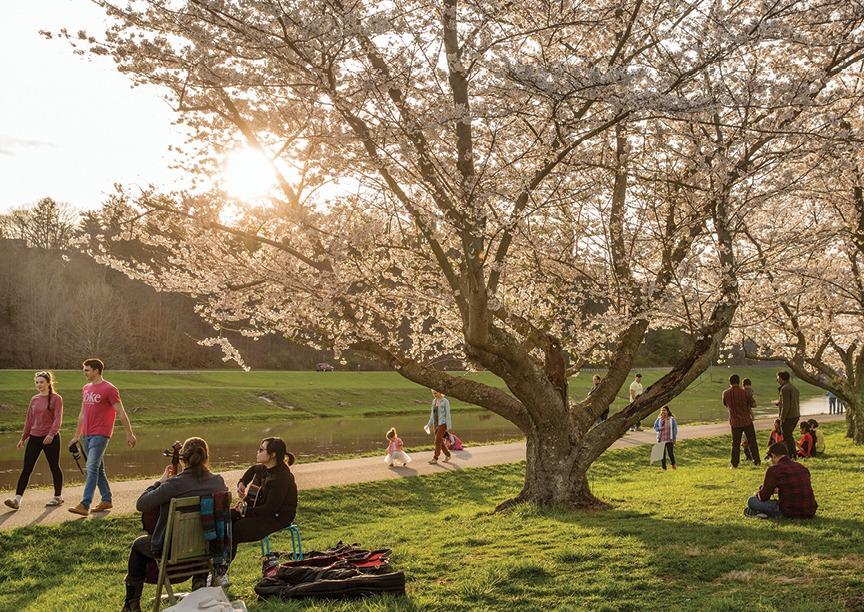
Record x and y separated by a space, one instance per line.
71 126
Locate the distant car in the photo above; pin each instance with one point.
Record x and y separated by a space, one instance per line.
324 367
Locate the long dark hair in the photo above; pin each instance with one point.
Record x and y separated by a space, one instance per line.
50 379
196 455
814 424
278 447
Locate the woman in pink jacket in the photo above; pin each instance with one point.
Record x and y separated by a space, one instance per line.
41 434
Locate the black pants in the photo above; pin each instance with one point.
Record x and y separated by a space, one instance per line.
669 448
789 426
252 529
139 555
750 432
31 454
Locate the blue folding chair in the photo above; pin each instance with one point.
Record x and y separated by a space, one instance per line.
296 543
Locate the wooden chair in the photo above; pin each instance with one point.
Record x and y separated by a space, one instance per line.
184 551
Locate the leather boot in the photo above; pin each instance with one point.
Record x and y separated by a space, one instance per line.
133 597
199 581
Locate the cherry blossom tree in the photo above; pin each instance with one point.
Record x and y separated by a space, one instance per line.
528 187
805 305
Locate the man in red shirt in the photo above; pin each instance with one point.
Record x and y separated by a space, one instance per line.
100 407
791 480
740 405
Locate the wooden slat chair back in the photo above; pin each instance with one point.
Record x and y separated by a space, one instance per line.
185 551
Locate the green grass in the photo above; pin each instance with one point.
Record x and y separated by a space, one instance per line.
171 397
674 540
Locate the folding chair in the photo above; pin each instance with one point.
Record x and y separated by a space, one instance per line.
184 551
296 543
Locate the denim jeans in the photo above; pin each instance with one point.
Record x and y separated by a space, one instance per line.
770 507
94 447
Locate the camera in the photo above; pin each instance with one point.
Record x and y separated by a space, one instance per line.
76 450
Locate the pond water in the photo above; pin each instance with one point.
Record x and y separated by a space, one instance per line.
234 444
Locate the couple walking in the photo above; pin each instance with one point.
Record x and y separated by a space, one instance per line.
100 406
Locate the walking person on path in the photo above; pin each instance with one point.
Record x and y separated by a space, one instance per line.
667 433
100 406
439 424
789 407
636 390
740 406
41 435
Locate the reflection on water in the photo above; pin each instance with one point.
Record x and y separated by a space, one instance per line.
234 444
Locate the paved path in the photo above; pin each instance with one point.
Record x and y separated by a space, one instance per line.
332 473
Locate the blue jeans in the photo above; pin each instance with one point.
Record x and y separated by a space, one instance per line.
770 507
94 447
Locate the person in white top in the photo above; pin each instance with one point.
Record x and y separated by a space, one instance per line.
636 390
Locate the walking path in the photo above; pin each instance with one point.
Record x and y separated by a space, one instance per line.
332 473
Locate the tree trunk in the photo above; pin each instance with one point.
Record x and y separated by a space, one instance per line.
855 421
556 473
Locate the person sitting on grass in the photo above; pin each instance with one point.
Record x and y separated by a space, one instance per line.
805 442
791 481
269 495
776 433
195 479
818 440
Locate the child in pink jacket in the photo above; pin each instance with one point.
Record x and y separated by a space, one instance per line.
395 449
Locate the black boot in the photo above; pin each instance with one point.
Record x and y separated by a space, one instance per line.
133 597
199 581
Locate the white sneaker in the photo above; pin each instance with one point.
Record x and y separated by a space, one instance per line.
54 501
222 581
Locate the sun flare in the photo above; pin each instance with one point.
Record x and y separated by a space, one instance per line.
247 175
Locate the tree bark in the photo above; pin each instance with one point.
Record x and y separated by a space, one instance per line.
855 420
554 472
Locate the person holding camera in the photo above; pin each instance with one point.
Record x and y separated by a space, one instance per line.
268 495
195 479
100 407
41 435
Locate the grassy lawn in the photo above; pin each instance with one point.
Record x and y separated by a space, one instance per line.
170 397
675 540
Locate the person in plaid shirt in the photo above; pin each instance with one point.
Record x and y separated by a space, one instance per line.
791 480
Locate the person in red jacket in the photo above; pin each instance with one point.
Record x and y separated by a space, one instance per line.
805 443
791 481
776 433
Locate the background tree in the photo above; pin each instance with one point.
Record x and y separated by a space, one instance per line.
529 186
806 304
46 225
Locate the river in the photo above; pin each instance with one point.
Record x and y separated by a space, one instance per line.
234 444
